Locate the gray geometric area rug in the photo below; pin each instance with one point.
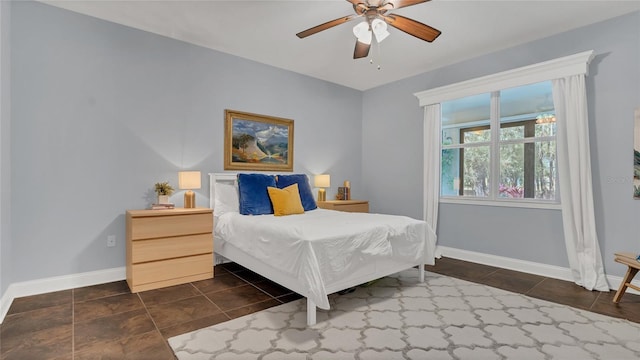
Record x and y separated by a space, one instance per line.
398 317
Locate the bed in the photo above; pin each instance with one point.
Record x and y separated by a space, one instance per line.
318 252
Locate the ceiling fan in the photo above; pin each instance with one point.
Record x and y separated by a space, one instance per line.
376 14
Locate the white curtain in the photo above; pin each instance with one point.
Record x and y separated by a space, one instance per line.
432 169
574 166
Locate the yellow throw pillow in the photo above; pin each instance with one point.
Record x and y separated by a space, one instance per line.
285 201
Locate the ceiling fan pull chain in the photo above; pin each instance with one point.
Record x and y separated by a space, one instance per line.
379 57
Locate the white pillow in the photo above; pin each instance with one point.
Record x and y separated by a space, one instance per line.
226 199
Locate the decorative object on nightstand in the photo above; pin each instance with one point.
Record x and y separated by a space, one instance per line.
345 205
170 247
189 180
347 192
322 181
162 206
163 190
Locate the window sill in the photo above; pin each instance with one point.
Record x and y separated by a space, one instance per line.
503 203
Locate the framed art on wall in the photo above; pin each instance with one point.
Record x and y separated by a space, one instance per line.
636 156
257 142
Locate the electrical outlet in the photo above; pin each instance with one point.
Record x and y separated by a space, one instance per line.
111 241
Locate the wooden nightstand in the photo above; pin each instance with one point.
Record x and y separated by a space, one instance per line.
345 205
168 247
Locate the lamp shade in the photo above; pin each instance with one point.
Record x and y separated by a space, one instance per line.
189 180
322 181
379 29
362 32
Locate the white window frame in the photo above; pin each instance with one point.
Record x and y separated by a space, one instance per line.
495 123
545 71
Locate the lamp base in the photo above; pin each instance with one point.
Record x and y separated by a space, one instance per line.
189 199
322 195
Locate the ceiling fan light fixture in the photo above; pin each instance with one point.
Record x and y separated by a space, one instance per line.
379 28
362 32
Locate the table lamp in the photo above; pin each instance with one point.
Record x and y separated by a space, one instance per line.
322 181
189 180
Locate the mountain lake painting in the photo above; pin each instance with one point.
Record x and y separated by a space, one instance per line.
258 142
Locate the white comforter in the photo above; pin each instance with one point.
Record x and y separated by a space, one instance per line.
320 246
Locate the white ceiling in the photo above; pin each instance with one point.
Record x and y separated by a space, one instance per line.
265 30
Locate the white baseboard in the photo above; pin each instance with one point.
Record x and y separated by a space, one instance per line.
57 283
555 272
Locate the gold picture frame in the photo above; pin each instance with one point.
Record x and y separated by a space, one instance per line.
257 142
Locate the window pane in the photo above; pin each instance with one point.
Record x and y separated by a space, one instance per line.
545 170
475 135
529 109
464 113
528 170
512 171
475 171
450 172
525 100
546 128
450 136
511 132
527 165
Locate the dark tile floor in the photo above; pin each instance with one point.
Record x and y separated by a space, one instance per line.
108 322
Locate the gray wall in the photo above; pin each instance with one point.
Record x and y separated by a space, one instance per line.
101 112
5 196
392 130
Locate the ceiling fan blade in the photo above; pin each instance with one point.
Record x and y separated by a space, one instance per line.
412 27
397 4
325 26
361 50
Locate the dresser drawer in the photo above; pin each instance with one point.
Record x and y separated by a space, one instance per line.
159 271
345 205
176 225
172 247
352 207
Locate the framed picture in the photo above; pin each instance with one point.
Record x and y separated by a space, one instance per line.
257 142
636 155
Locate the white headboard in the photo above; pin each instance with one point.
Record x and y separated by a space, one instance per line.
229 177
232 179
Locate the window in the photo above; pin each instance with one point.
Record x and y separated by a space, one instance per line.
516 127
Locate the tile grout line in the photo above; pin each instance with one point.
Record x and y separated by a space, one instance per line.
155 325
595 301
264 291
231 288
148 313
250 283
211 301
535 286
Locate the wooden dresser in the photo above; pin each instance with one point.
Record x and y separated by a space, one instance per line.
345 205
168 247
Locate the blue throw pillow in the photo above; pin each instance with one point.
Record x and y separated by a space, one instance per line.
253 195
306 196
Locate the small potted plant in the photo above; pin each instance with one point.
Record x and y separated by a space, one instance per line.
163 190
